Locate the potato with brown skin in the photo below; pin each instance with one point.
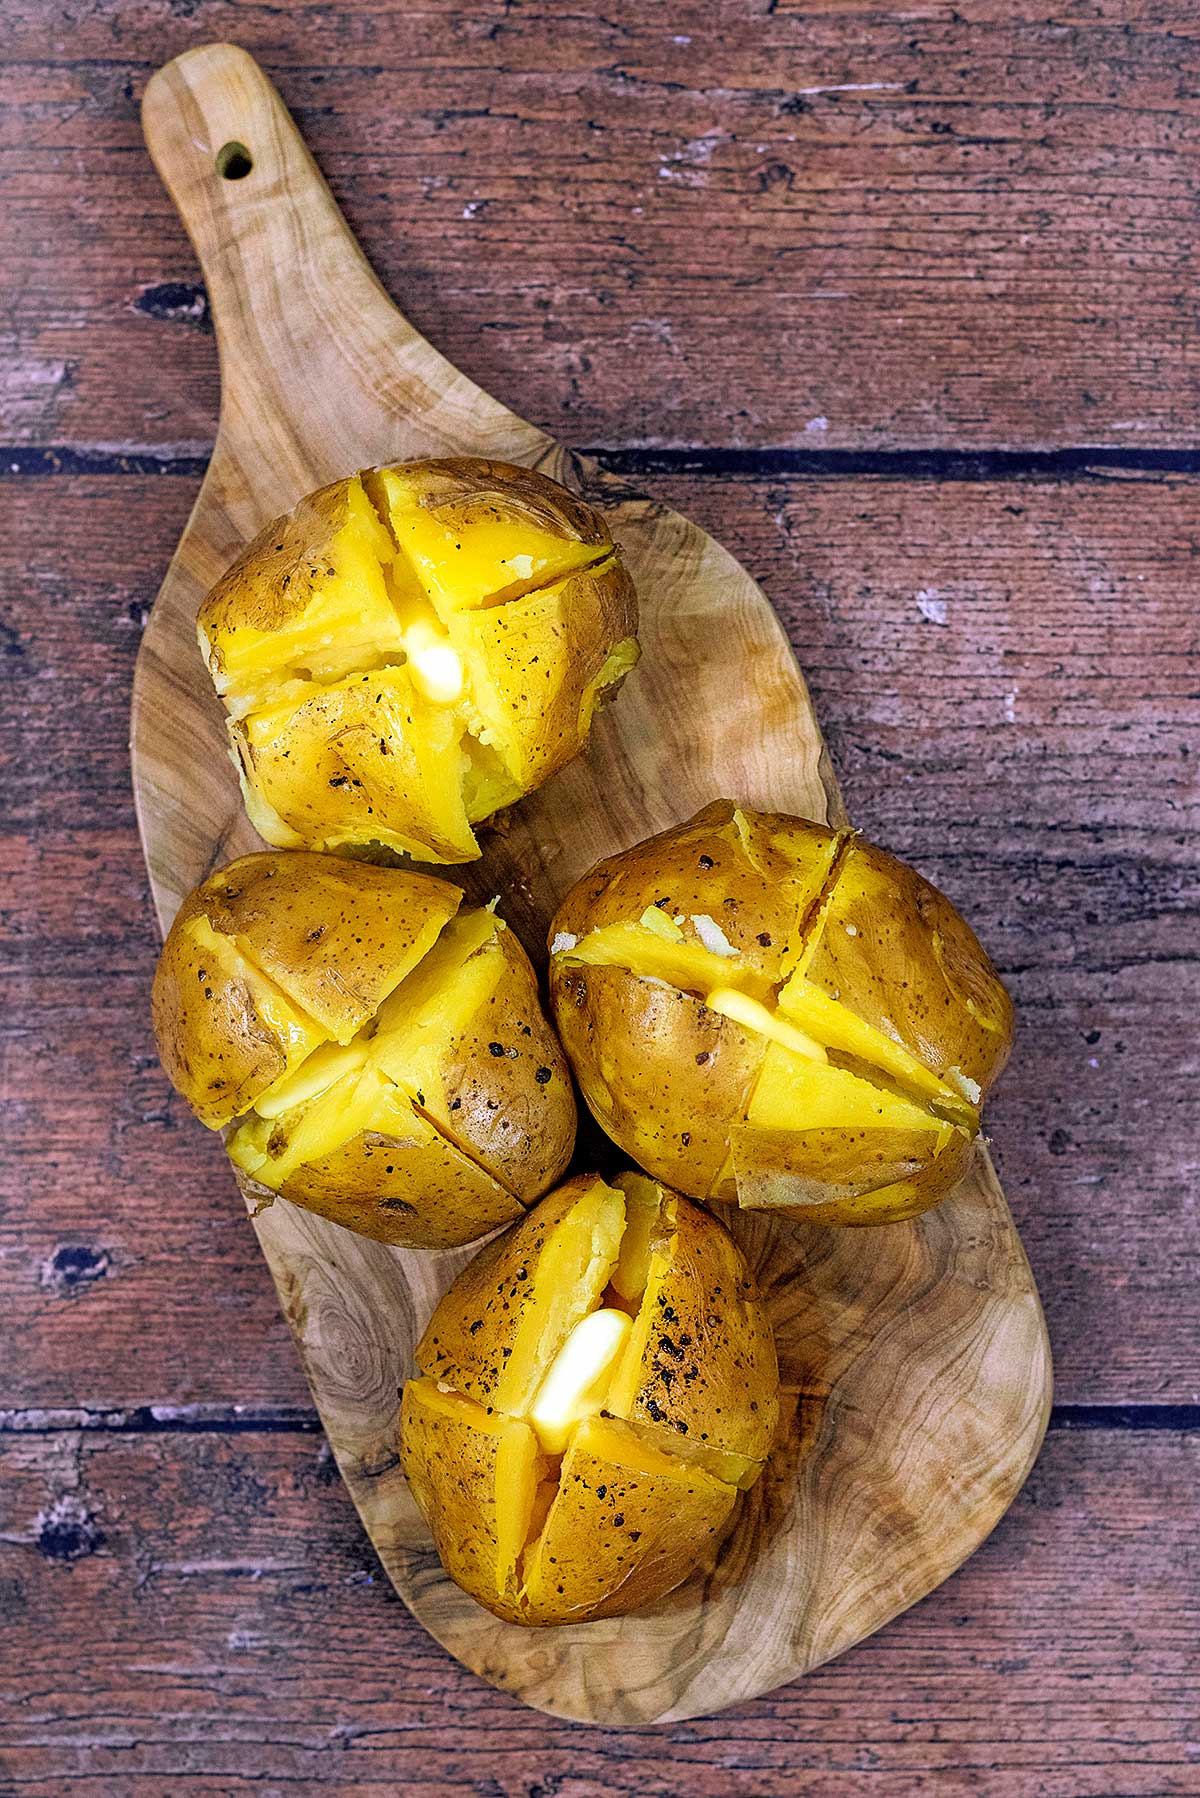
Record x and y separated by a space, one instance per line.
414 648
373 1051
562 1480
762 1010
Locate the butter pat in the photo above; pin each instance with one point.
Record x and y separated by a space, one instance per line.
579 1377
436 668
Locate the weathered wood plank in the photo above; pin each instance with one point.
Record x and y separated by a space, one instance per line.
203 1614
924 616
756 224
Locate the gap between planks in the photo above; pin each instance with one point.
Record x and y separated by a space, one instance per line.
1078 463
232 1420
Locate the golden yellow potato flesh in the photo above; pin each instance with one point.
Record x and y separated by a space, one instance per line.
413 649
593 1392
372 1051
763 1010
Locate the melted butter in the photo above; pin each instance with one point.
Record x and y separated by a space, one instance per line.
579 1378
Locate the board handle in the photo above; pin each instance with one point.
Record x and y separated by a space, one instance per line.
300 317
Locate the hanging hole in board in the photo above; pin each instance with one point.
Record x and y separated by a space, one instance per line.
234 162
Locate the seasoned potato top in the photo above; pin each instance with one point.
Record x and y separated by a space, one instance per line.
616 1329
787 977
414 648
345 1019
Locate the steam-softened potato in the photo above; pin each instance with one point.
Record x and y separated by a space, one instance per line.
412 649
376 1053
594 1390
763 1010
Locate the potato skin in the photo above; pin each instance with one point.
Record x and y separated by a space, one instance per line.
899 954
835 1177
670 1112
702 1375
364 760
544 658
305 637
335 935
644 1491
512 1110
413 1189
282 570
221 1040
624 1531
329 938
279 956
805 910
467 490
473 1477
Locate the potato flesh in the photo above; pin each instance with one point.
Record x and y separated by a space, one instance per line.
399 703
652 956
643 1233
561 1376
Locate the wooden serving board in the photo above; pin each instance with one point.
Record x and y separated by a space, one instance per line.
918 1352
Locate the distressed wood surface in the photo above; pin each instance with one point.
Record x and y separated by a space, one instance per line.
782 224
202 1614
929 1333
1045 168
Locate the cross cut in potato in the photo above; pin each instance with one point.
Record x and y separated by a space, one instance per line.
595 1389
763 1010
412 649
373 1052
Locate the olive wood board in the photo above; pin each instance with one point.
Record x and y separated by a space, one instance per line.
916 1353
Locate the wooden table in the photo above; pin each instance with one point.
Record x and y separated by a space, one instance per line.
901 306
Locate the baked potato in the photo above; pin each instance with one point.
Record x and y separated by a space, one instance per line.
762 1010
411 650
595 1389
373 1051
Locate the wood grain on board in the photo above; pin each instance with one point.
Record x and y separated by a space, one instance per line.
918 1354
922 614
817 225
202 1613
